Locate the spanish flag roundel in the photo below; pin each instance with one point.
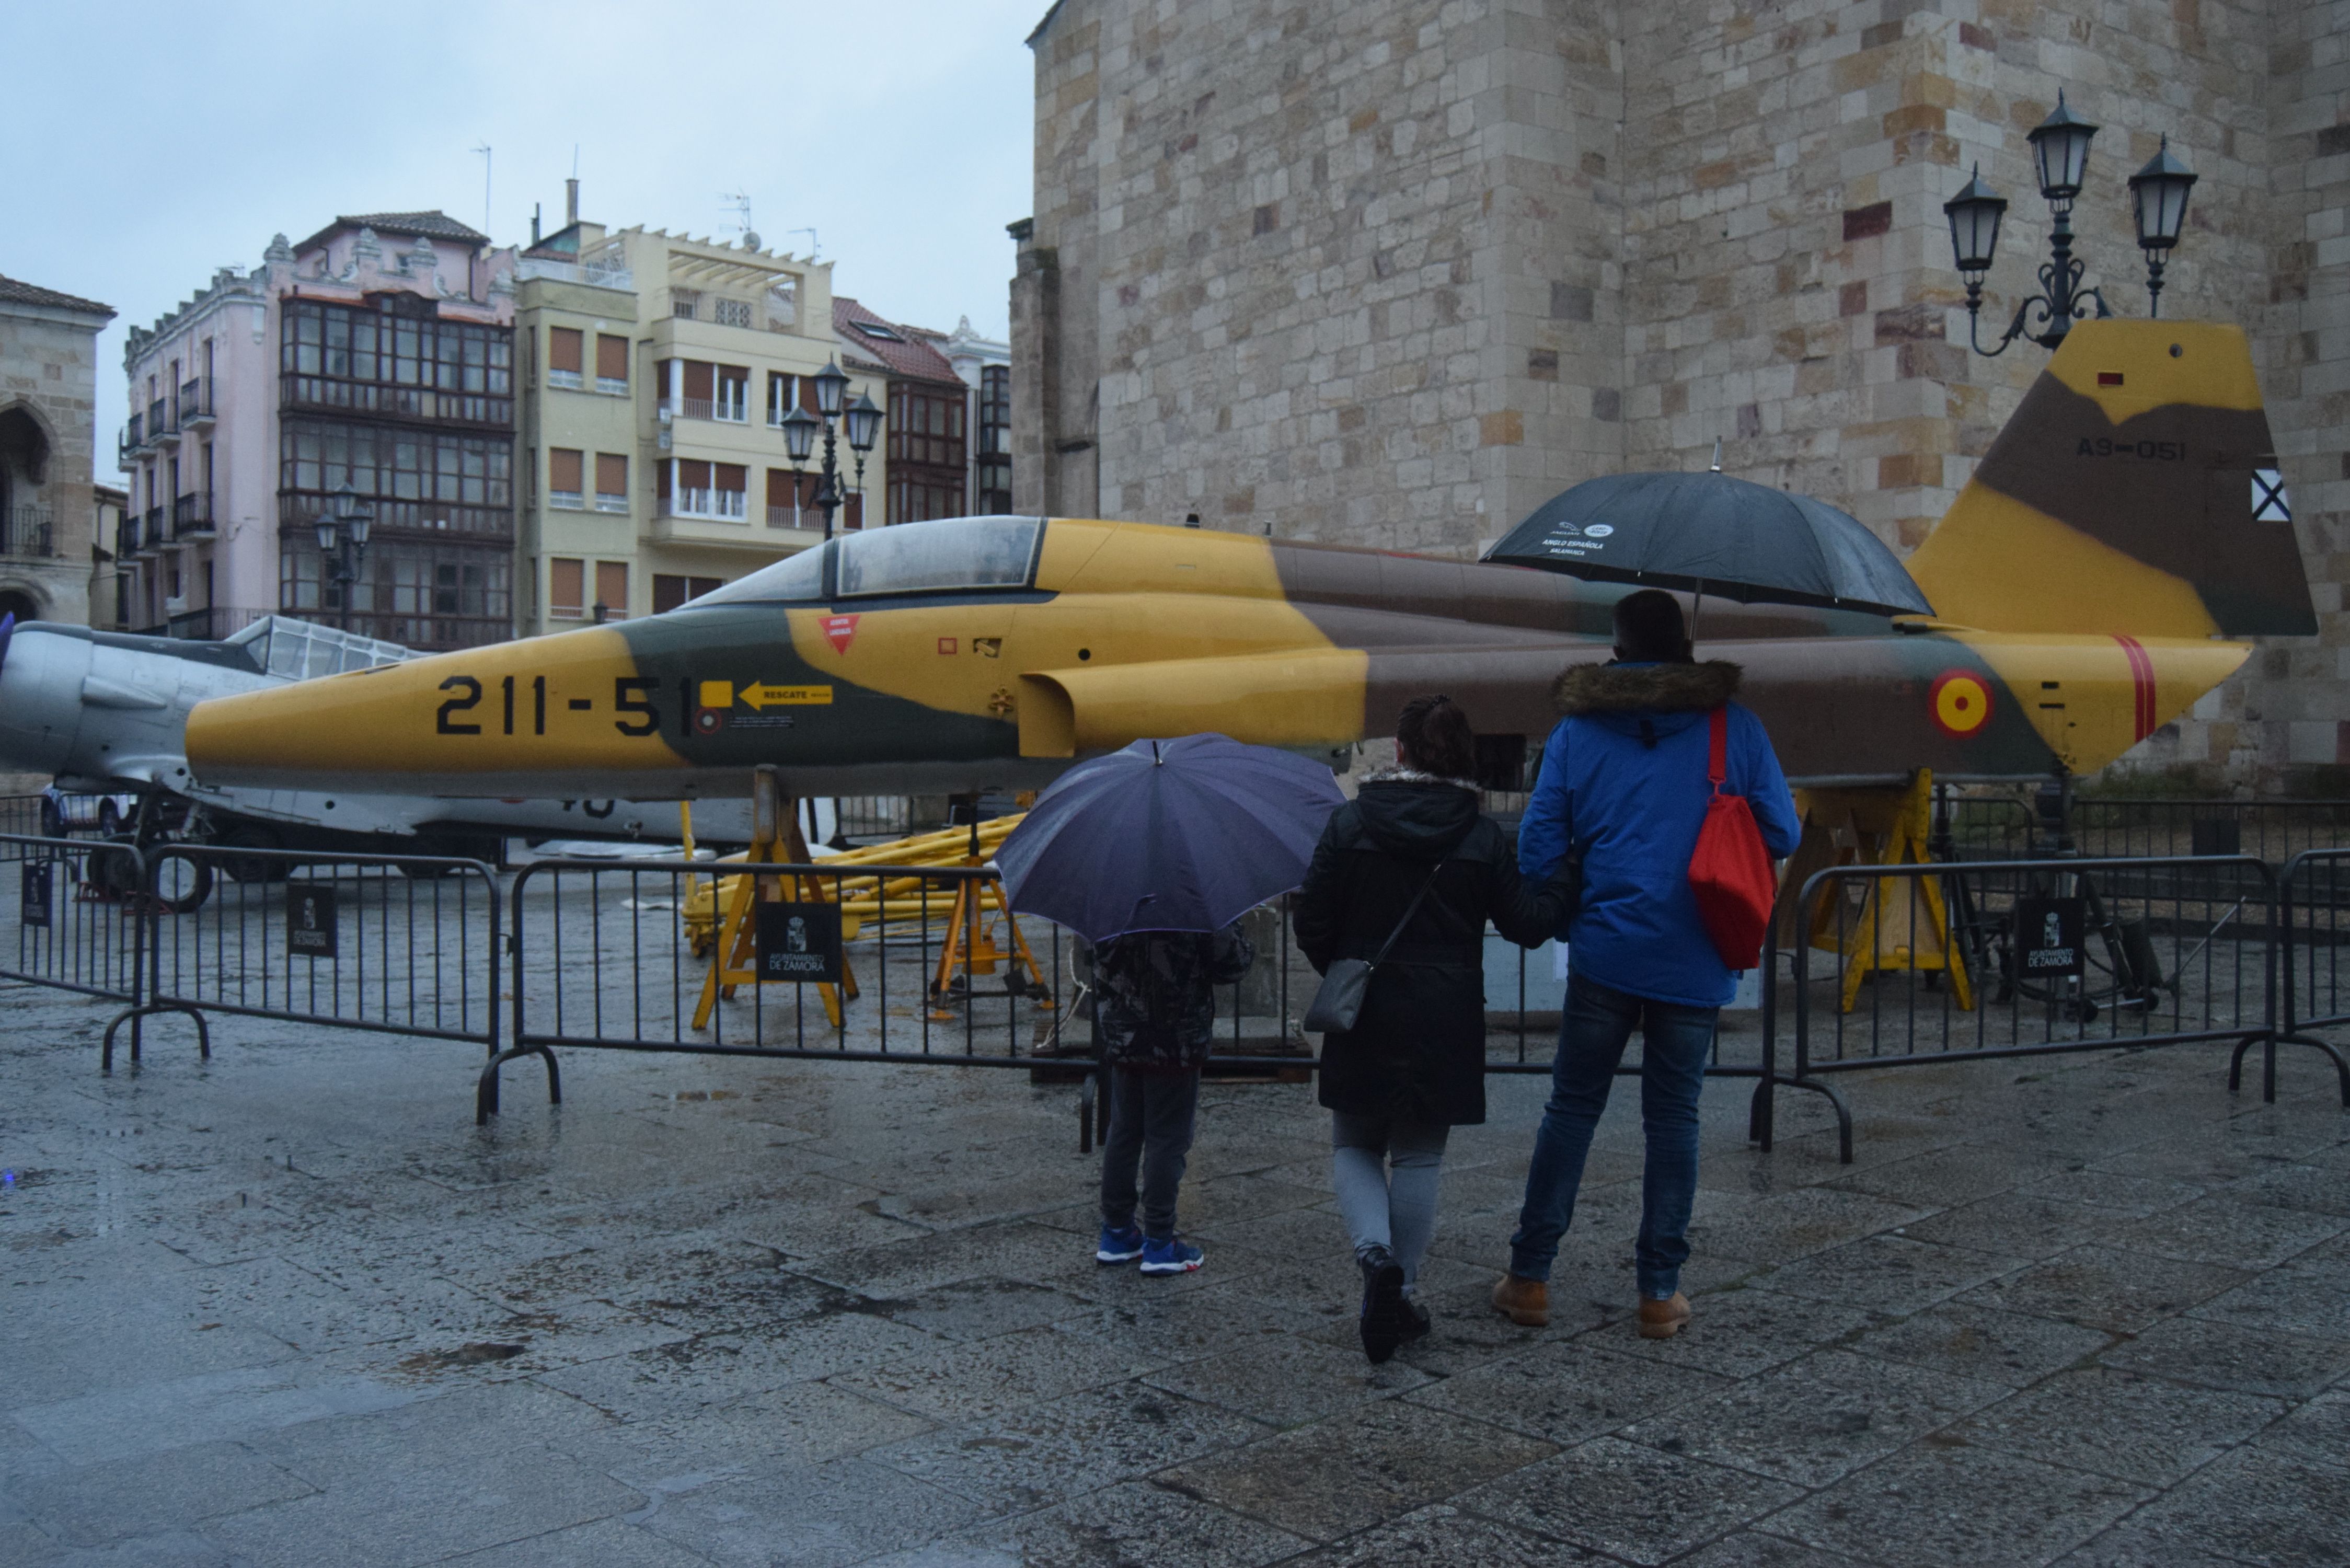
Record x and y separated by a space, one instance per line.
1960 703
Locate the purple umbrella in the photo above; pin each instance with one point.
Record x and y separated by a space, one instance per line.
1167 835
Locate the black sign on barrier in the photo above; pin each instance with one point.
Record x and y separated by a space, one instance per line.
798 941
310 922
39 888
2050 935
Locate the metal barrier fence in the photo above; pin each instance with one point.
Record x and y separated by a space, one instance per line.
611 955
867 963
20 815
398 944
1936 963
73 917
80 919
1995 823
1896 965
2313 992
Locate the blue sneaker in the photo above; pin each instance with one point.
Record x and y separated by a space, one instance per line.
1120 1246
1169 1256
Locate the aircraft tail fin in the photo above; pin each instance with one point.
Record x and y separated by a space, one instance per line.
2134 493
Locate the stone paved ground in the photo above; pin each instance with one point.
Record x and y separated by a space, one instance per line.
293 1309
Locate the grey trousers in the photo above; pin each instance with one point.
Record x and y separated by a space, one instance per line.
1152 1118
1384 1172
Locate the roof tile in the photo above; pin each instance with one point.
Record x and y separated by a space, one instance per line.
905 354
14 293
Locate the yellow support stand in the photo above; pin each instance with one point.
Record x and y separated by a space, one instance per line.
776 838
970 945
1902 923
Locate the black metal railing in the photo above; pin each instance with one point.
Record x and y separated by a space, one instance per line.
159 419
27 531
21 817
151 536
1868 968
191 515
391 400
398 944
2313 992
78 918
195 400
1936 963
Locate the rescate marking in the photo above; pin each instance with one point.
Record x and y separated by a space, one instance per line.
2141 666
1960 703
841 630
761 697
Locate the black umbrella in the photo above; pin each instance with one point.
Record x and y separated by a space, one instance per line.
1710 534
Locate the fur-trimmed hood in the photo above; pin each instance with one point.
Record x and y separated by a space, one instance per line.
1415 816
1646 687
1413 775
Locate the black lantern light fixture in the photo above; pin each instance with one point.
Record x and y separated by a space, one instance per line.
2060 153
2158 199
831 387
2059 158
864 422
799 427
342 531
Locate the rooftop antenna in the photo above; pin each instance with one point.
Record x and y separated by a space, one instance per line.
814 249
1717 455
739 203
485 151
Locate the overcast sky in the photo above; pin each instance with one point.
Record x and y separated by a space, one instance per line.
174 139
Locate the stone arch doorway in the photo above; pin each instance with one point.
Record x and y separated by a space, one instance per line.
23 467
22 603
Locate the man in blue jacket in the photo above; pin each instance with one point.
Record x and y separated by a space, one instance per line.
1625 781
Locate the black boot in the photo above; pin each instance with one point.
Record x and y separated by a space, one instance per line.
1383 1313
1416 1322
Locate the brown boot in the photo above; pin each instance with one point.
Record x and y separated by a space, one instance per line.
1525 1303
1662 1320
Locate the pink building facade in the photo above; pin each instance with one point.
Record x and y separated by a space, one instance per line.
377 354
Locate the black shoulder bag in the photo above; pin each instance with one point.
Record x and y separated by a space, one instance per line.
1339 1001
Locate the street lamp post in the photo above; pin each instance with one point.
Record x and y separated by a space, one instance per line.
342 543
2060 155
863 422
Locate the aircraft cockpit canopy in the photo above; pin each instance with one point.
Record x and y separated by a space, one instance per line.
948 554
299 649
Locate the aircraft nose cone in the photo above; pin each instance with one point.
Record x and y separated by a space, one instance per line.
40 697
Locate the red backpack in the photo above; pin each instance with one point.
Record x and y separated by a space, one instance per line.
1730 871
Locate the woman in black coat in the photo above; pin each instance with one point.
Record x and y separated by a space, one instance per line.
1413 1066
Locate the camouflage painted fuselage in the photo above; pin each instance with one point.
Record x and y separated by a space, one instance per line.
2067 643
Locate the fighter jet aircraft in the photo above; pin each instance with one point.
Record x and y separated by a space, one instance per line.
2126 524
104 711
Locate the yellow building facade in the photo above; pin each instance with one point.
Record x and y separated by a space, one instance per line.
655 373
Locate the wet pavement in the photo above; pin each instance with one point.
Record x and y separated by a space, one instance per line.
292 1308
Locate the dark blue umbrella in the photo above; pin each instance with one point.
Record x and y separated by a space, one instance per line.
1711 533
1167 835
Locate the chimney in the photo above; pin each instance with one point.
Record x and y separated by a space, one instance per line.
534 224
571 200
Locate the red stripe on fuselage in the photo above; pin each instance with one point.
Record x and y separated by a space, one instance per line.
2142 682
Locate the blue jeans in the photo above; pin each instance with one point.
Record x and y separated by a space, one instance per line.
1592 1034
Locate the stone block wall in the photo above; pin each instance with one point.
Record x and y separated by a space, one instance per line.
48 370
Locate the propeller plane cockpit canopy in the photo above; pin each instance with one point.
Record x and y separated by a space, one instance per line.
991 652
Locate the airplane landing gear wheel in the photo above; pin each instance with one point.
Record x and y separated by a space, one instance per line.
254 869
183 881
